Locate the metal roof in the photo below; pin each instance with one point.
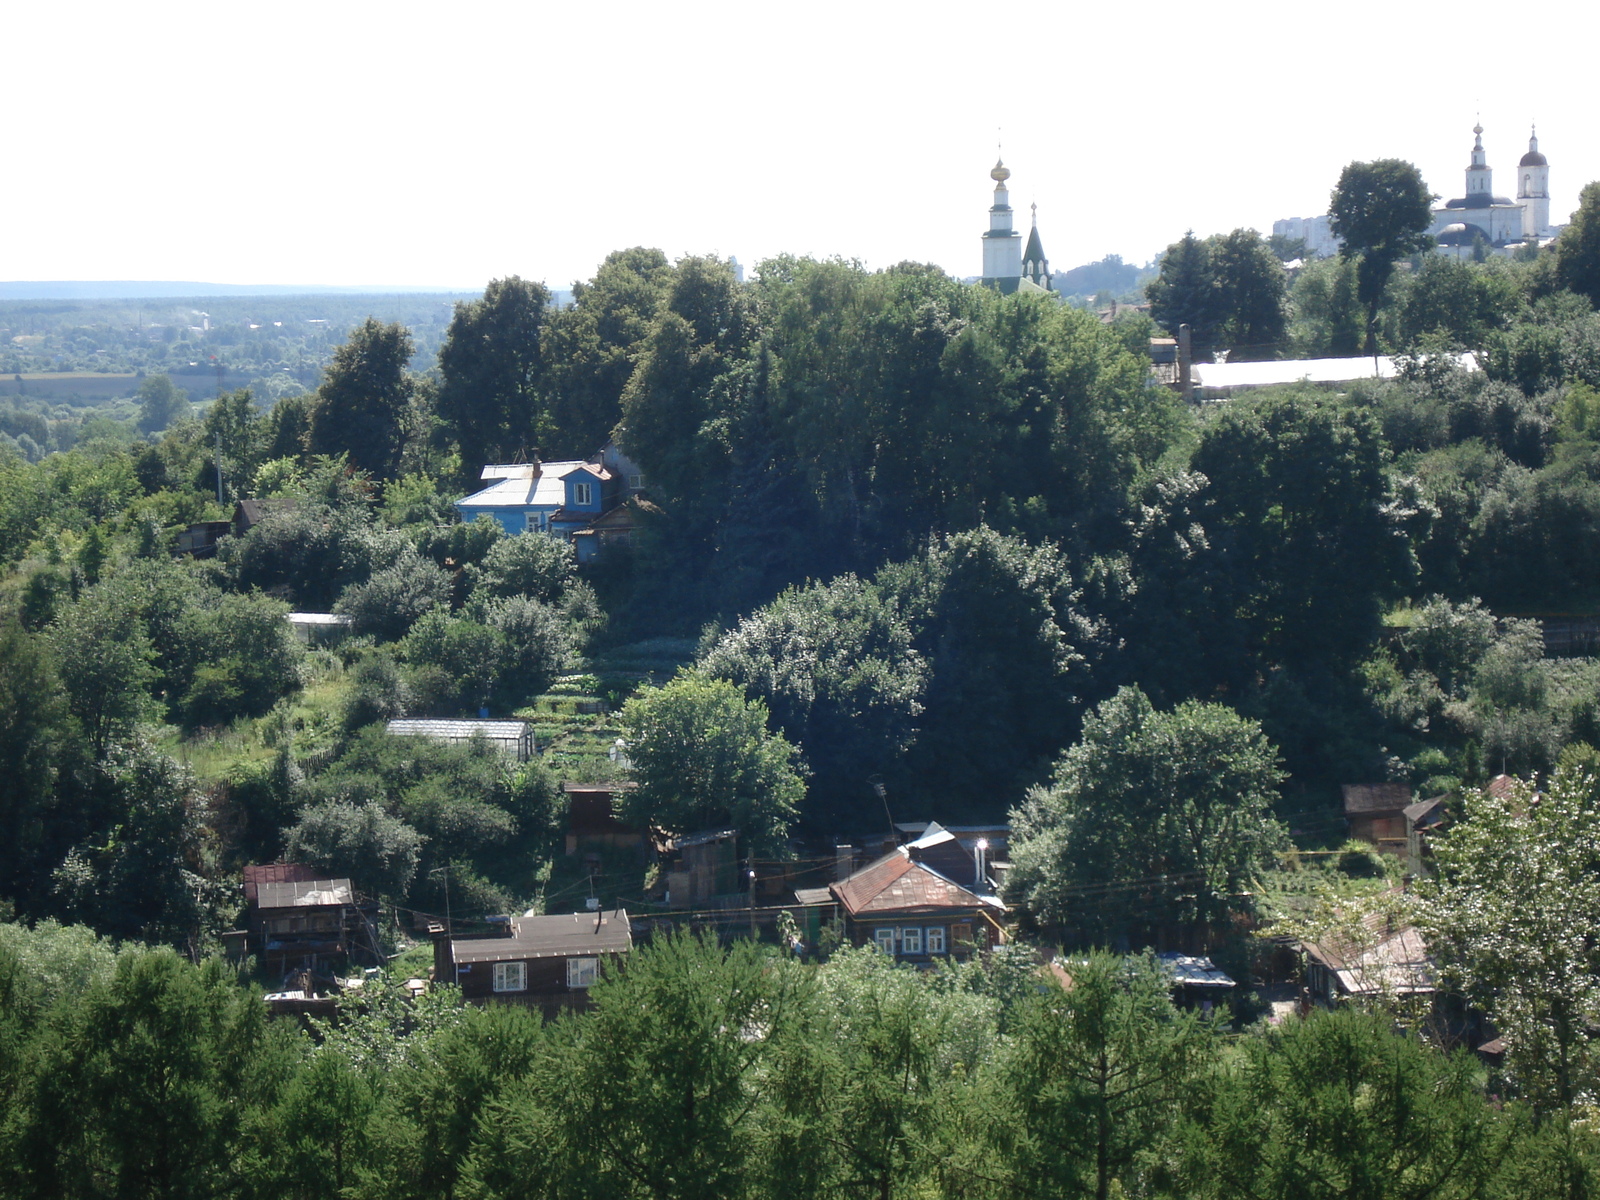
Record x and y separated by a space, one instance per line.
304 893
550 937
530 485
1191 970
424 727
896 883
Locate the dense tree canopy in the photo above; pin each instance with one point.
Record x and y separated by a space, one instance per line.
1381 211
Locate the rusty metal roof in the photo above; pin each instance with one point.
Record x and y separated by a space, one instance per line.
1375 797
896 884
257 874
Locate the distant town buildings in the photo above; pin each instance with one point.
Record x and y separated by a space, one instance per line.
1477 222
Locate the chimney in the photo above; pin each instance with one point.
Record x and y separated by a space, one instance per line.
844 862
980 854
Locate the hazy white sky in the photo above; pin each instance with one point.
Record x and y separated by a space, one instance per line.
408 143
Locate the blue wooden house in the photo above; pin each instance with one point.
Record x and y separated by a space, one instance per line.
587 502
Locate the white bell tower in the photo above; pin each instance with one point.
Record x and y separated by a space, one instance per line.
1002 245
1533 190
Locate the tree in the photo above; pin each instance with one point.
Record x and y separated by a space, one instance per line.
1093 1074
377 851
1185 291
833 663
1578 247
35 734
1152 818
1343 1105
391 601
1305 543
363 407
492 391
702 754
105 659
1511 874
1381 211
1253 287
160 404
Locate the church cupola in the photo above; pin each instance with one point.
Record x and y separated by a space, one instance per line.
1035 266
1002 245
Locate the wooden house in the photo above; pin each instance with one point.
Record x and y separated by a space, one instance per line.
908 906
703 866
1384 958
547 962
298 922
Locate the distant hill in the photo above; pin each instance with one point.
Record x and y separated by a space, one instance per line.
1110 274
143 289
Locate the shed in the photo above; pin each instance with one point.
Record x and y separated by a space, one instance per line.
512 738
547 962
1196 980
1376 813
592 817
319 629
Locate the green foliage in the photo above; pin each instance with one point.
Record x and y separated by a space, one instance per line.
35 743
395 596
1578 247
379 853
835 668
1152 818
363 409
105 660
1511 872
702 755
1340 1105
161 404
1381 211
1229 289
492 396
529 564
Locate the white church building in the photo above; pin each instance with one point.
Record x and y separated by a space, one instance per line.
1009 265
1498 223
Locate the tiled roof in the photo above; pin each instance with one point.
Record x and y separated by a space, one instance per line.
896 884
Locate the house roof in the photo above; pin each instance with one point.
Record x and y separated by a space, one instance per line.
1191 970
551 937
256 874
309 893
529 485
1385 960
897 883
1375 797
1423 808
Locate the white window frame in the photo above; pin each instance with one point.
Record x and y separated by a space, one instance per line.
582 494
510 976
582 972
885 939
911 940
934 936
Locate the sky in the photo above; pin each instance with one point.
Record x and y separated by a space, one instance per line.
342 143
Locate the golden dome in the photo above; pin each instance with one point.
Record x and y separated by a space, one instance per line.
1001 172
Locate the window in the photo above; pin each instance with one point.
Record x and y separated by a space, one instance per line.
511 977
911 941
936 940
582 494
582 972
885 940
961 933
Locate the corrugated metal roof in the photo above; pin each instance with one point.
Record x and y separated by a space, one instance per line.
551 937
256 874
527 486
425 727
304 893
